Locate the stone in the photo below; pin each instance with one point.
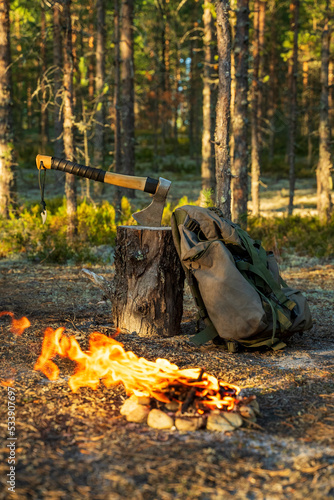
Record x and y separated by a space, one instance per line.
159 420
223 421
189 424
255 407
247 413
172 406
141 400
134 412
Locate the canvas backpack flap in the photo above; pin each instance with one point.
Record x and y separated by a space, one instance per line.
211 224
232 304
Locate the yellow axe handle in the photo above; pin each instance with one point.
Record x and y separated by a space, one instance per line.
127 181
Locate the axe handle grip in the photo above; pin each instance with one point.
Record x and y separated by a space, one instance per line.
96 174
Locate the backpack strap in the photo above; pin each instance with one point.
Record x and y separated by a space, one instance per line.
209 333
259 268
275 344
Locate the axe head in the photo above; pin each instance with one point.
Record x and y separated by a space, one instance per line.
152 215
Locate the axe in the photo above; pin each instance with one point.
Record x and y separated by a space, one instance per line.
150 216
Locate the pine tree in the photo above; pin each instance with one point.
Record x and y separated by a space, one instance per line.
240 115
58 98
7 173
222 135
324 180
70 184
99 85
127 92
207 168
255 155
44 107
294 10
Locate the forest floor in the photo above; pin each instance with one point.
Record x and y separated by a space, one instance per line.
76 445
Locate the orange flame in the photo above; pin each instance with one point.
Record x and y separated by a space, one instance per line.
10 382
107 361
18 325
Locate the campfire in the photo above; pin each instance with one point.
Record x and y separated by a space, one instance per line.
159 393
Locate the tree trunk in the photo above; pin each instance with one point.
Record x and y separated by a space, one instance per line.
222 135
91 61
70 185
273 86
207 169
255 155
331 93
165 114
305 98
294 10
127 89
194 99
306 125
260 96
99 85
57 62
176 96
117 100
7 174
44 108
324 180
240 117
148 283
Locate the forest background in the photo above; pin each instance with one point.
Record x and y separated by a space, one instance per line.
226 99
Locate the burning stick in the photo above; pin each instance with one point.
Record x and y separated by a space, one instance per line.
191 394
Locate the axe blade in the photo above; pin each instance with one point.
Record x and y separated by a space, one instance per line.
151 216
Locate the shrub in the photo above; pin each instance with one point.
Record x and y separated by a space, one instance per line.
24 232
303 235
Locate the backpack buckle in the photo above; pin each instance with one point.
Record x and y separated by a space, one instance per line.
192 225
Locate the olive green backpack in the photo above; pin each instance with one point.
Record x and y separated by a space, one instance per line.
236 284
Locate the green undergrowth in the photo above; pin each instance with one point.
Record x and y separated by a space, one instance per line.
25 234
303 235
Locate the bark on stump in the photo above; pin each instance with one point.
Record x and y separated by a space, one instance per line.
148 283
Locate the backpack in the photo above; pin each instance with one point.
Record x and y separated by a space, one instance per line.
236 284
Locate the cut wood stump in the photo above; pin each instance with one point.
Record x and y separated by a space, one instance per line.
148 283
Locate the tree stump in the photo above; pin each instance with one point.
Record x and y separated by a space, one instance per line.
148 283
